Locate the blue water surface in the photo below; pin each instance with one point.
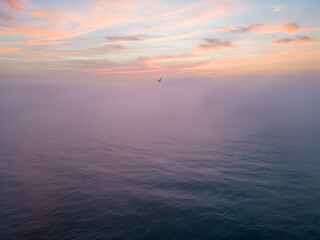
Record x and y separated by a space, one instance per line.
72 170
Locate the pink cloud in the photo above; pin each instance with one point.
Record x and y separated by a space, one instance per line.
7 17
276 8
14 4
264 28
216 44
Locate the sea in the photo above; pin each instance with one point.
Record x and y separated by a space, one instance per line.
180 159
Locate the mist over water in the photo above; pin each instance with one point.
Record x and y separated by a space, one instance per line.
181 159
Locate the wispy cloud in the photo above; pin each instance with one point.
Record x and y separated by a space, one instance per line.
58 33
126 38
298 40
180 10
9 49
114 48
168 59
39 14
264 28
289 54
14 4
276 8
43 42
57 53
153 36
50 34
122 70
7 17
213 12
63 24
148 38
216 44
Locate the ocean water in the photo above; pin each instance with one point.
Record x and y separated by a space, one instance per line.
114 162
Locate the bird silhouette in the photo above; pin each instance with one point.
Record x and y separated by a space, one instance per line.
159 80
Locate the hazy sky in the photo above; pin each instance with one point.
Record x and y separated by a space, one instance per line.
150 38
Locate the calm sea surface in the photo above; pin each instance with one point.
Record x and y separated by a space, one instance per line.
69 171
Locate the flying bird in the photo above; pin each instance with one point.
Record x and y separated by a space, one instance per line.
159 80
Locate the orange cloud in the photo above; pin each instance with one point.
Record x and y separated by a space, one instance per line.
51 34
128 72
272 61
164 59
116 5
9 49
214 65
43 42
39 14
55 53
31 32
64 25
290 54
107 20
263 28
291 28
122 70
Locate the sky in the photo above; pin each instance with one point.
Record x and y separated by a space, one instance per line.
152 38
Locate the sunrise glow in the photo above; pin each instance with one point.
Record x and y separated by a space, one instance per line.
107 37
